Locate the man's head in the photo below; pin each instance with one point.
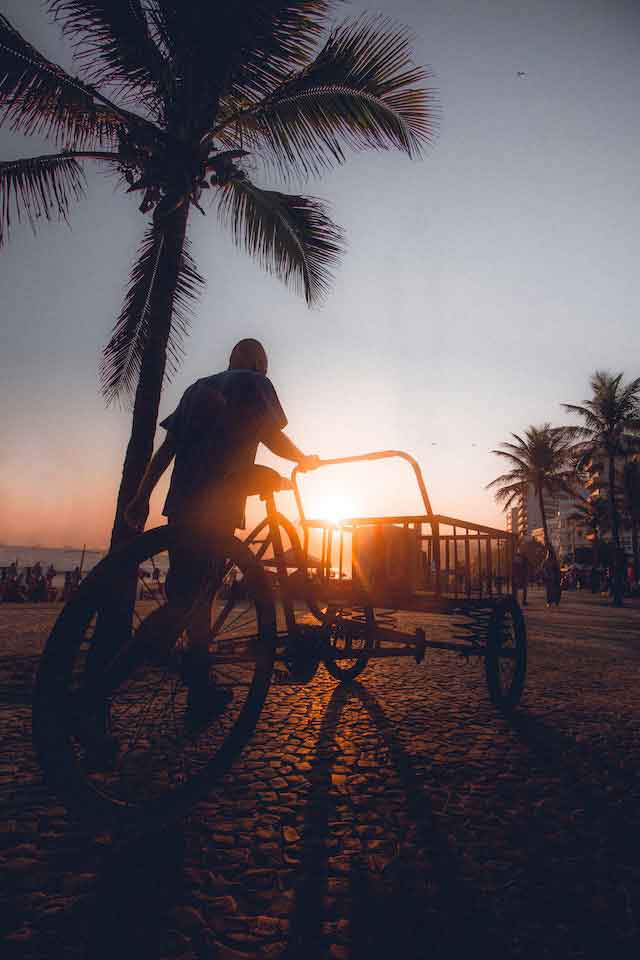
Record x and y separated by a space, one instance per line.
248 354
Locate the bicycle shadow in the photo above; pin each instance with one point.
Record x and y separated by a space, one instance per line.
399 911
597 818
137 886
552 747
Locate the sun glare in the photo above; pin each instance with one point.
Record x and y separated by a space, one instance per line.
334 508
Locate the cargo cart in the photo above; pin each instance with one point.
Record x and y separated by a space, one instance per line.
111 712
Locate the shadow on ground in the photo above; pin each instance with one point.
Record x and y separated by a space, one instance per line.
399 911
138 885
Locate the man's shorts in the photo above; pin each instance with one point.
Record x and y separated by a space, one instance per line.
191 568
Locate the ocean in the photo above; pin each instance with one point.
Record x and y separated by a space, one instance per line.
62 558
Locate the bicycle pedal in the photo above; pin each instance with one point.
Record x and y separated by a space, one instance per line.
282 678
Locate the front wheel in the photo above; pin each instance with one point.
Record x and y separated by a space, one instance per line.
506 656
160 765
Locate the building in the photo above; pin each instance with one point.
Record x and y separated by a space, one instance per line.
598 470
564 533
513 520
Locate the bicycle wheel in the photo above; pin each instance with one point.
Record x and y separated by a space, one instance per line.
161 766
351 637
506 656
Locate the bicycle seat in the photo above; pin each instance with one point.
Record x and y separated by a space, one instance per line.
261 481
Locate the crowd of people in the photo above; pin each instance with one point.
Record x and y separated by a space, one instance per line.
32 584
555 578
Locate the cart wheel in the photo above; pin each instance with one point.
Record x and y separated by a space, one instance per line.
351 632
122 749
506 656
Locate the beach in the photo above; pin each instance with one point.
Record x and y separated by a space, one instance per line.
400 813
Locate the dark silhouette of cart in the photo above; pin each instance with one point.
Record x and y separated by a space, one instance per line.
110 732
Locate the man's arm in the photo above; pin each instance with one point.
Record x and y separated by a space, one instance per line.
137 511
279 443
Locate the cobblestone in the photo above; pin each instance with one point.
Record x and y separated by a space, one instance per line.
399 817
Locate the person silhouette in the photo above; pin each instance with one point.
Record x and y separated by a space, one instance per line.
212 436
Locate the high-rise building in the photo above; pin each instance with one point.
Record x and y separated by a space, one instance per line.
513 520
564 534
598 484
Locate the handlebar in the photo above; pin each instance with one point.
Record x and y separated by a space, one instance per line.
377 455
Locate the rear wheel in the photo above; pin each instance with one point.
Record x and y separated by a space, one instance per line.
506 656
161 764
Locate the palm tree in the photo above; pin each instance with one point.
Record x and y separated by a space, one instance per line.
631 506
182 101
592 515
611 430
540 459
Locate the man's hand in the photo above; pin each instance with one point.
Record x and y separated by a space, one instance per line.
311 462
137 512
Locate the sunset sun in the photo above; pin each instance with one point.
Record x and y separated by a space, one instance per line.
334 507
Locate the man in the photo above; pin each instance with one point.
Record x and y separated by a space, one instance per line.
552 578
520 575
213 434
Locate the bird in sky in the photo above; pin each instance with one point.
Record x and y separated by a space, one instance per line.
521 74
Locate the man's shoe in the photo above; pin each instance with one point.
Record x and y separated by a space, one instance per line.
101 757
88 722
205 705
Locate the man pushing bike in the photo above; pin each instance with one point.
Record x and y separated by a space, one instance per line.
212 437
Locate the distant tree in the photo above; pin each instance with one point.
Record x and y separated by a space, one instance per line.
541 459
182 100
611 429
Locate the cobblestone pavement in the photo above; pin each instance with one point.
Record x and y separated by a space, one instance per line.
399 817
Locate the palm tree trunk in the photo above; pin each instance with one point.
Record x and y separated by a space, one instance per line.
114 625
147 398
545 529
615 534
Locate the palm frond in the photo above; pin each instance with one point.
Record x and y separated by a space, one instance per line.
506 478
610 416
38 187
150 276
521 463
39 97
507 494
247 48
544 458
583 434
291 236
234 49
112 42
361 92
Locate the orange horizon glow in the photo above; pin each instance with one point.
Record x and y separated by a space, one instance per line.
63 513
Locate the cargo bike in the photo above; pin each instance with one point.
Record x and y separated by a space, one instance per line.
110 702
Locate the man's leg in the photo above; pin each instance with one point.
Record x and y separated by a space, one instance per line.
193 580
188 587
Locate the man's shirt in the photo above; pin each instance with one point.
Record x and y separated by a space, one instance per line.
217 437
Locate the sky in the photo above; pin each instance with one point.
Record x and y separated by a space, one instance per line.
481 287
